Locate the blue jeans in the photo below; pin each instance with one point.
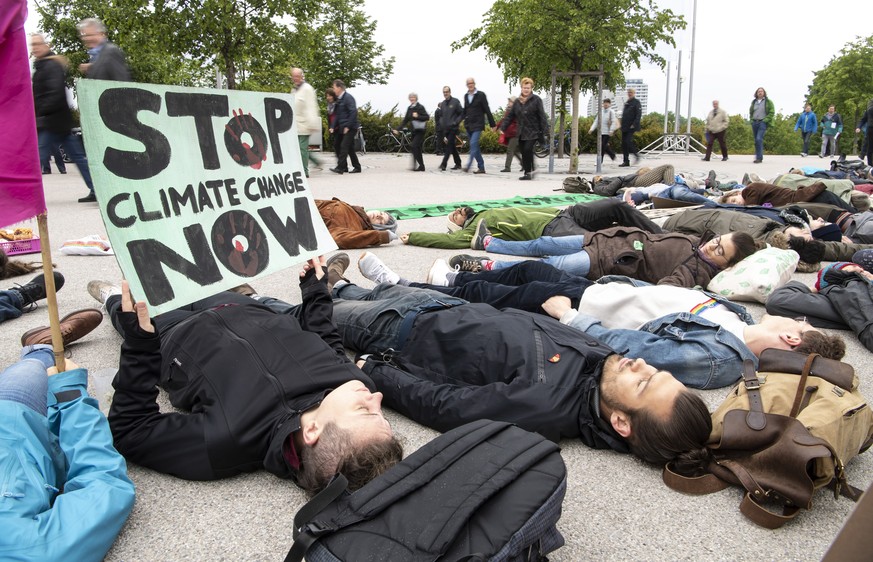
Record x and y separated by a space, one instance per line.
475 151
758 129
73 147
10 305
371 320
26 382
565 252
680 192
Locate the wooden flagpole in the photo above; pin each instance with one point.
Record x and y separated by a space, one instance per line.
50 293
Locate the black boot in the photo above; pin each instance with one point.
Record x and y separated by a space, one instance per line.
35 290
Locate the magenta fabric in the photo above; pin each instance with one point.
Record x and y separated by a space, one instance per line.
21 194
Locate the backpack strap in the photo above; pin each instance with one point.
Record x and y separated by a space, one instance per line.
764 517
755 419
698 485
804 375
306 531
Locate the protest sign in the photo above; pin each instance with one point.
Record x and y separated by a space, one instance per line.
200 190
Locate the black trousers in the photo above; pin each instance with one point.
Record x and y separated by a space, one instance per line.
451 148
525 286
605 150
719 136
527 155
597 215
347 151
628 146
417 141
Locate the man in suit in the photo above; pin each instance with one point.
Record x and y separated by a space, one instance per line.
630 124
475 111
107 60
345 128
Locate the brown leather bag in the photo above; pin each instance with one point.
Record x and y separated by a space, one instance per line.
782 436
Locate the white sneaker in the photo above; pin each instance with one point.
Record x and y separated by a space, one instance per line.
438 274
373 269
102 290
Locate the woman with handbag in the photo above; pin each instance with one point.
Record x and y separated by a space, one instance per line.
509 137
417 115
533 125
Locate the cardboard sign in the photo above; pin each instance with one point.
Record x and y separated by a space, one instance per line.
200 190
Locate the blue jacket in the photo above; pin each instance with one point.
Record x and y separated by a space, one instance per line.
71 449
807 122
698 352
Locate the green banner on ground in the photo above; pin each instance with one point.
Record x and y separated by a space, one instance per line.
442 209
200 190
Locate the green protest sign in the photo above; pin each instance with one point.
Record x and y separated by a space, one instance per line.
200 190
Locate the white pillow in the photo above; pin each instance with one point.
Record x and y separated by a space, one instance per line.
754 278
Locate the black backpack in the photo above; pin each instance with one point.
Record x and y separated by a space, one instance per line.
485 490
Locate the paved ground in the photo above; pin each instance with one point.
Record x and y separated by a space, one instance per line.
616 507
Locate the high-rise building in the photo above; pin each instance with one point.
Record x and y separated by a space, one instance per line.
618 98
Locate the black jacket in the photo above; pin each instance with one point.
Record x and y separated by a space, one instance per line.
110 65
531 118
452 114
437 114
475 362
49 95
476 112
346 114
845 304
630 116
244 372
423 116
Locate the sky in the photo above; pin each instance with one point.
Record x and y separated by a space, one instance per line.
740 45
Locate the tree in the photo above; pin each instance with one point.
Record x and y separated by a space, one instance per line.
252 43
339 44
846 82
533 37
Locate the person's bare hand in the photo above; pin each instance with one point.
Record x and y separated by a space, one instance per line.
404 238
141 309
318 264
83 68
361 363
556 306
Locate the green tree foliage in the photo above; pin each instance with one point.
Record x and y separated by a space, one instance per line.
533 37
252 43
847 82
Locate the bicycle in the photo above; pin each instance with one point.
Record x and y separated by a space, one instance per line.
429 146
389 142
542 150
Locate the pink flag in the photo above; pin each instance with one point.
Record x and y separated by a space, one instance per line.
21 194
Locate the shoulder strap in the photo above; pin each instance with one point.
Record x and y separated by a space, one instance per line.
305 535
755 419
698 485
798 396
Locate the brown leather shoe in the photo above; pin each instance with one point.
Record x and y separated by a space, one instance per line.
337 265
74 326
245 289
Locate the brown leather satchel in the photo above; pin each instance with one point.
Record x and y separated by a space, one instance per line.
782 436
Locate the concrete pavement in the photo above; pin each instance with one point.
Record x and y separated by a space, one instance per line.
616 507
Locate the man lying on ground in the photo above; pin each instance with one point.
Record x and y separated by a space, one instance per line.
66 493
529 223
265 390
699 336
351 227
775 196
665 259
444 362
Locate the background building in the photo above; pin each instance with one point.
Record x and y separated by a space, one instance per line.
620 97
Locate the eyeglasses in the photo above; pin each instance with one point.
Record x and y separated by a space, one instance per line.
83 35
801 319
447 91
719 249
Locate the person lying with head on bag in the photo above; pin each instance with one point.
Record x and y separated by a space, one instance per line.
265 390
